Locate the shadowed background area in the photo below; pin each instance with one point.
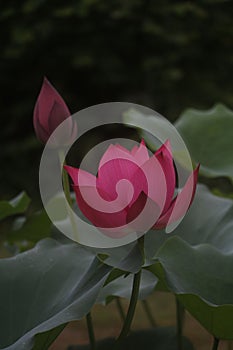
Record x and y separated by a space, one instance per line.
167 55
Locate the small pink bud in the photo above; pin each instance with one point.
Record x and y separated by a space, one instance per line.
49 112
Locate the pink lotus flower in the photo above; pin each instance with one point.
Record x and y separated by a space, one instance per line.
132 190
49 112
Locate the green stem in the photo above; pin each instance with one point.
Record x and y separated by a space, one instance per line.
149 313
133 299
179 324
141 247
216 343
91 333
66 186
132 306
120 309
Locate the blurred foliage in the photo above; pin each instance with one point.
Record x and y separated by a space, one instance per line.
167 55
214 128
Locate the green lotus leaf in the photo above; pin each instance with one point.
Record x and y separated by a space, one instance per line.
209 138
126 258
44 288
209 220
202 279
207 134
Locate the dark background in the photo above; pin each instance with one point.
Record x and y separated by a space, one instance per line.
168 55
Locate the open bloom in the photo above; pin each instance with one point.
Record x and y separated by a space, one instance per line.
132 192
49 112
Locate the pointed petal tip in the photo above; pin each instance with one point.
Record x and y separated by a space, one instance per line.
143 142
67 168
46 82
164 149
196 172
70 170
168 145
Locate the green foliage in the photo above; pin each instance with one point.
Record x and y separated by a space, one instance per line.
201 277
44 288
32 228
196 263
45 339
126 258
200 226
198 271
22 232
17 205
209 138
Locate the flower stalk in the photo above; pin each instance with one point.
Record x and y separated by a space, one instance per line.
132 306
179 324
120 309
91 333
133 299
216 343
66 186
149 314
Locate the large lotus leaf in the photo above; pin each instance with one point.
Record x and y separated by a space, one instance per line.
209 138
127 258
44 288
202 278
161 338
44 340
17 205
209 220
122 287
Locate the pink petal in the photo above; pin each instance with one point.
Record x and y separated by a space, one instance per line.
115 152
139 219
135 209
50 110
57 115
140 153
48 95
92 204
164 156
100 219
41 133
155 186
181 203
115 170
80 177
